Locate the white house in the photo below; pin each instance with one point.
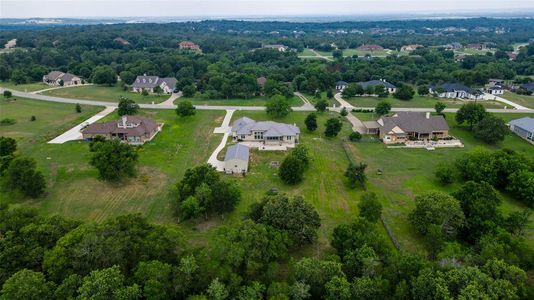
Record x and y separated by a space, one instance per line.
236 159
149 83
341 85
281 48
265 133
495 90
456 90
57 77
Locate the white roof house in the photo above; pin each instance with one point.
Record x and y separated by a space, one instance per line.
259 134
523 127
236 159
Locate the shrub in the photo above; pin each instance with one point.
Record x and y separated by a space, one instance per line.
333 127
291 170
7 122
185 108
33 118
355 136
445 173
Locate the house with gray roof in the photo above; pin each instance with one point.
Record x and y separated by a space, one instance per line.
389 87
407 126
265 133
456 90
236 159
524 128
341 85
149 84
60 78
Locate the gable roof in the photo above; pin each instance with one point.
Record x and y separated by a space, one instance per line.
341 83
528 86
526 123
246 125
237 151
169 81
413 122
365 84
145 81
54 75
68 77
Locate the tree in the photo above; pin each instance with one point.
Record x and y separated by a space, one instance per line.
370 207
404 92
344 112
21 175
108 284
491 129
27 284
355 136
356 174
127 77
291 170
311 122
337 54
127 107
439 107
440 209
185 108
190 208
517 222
189 91
423 90
217 290
114 160
338 288
321 105
333 127
381 91
316 274
521 185
7 94
471 113
382 108
445 173
155 279
329 94
369 288
78 108
104 75
479 202
295 216
8 146
278 107
302 152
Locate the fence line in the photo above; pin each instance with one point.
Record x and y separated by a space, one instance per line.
390 233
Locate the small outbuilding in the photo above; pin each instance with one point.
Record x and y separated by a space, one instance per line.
236 159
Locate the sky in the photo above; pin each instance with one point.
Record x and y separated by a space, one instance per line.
214 8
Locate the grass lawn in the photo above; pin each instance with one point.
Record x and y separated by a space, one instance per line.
104 93
72 185
27 87
470 51
254 101
417 101
51 120
524 100
308 52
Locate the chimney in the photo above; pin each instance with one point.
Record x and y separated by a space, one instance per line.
124 121
428 115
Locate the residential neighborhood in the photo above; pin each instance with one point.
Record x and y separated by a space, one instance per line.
151 84
133 130
57 78
266 135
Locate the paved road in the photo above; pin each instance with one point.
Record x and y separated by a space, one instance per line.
222 107
74 133
171 99
319 55
226 130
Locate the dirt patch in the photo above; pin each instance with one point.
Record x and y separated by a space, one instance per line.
210 223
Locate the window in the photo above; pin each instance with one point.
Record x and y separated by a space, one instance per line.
258 135
289 138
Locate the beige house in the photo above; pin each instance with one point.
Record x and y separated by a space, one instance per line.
408 126
236 159
280 48
265 133
57 77
132 130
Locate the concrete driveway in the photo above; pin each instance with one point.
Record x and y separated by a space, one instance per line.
226 130
74 133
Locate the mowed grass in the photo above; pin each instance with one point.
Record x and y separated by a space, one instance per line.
254 101
104 93
417 101
26 87
524 100
51 120
73 188
409 172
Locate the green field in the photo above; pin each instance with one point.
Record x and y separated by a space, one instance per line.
469 51
104 93
417 101
524 100
27 87
74 190
254 101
